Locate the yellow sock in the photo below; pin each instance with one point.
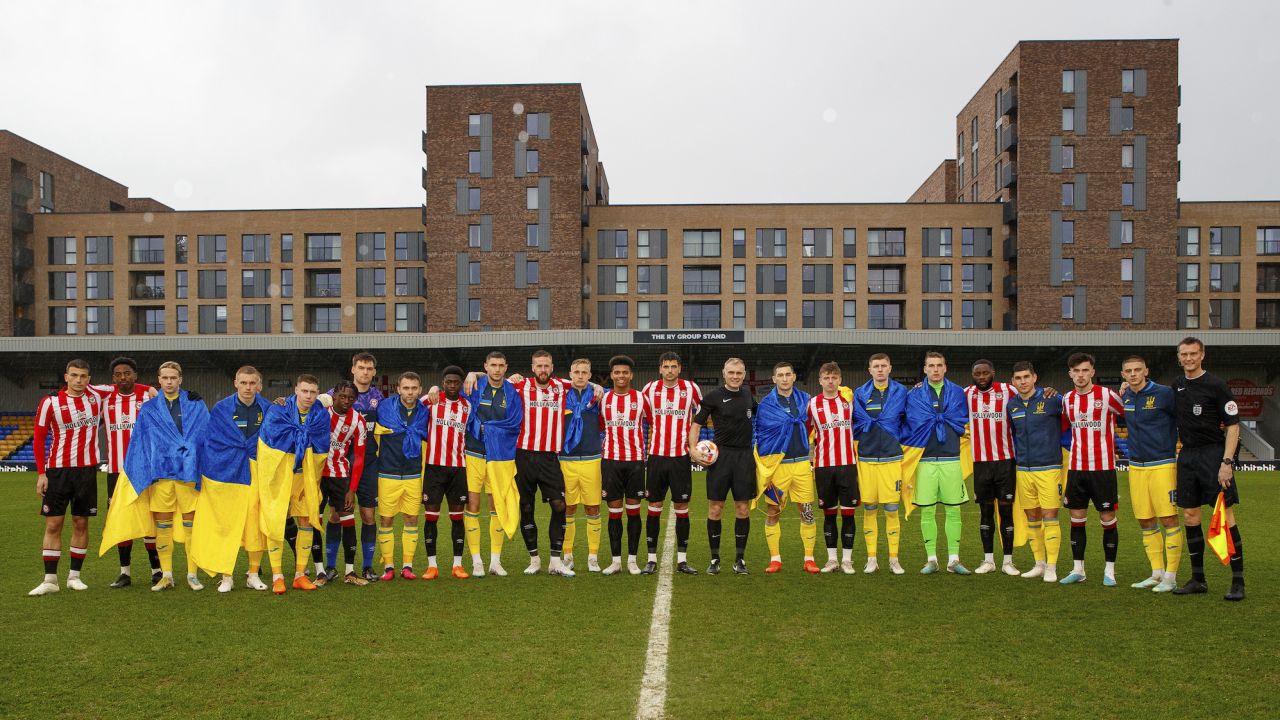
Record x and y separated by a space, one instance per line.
1052 540
593 534
871 531
773 536
570 534
471 521
408 543
809 536
186 548
302 549
1035 537
496 535
1152 540
387 545
1173 548
164 546
892 531
255 561
275 555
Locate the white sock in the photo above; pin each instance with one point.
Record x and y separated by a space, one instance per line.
682 557
831 554
775 558
808 558
1169 576
1008 559
125 570
431 561
953 559
169 575
1078 567
274 576
1157 574
475 558
319 568
53 579
653 557
73 575
989 557
350 568
631 559
933 559
617 559
1109 570
847 554
457 562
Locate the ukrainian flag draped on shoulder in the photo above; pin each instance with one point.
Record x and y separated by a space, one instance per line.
925 421
157 451
415 429
890 417
575 404
499 437
289 444
774 428
226 470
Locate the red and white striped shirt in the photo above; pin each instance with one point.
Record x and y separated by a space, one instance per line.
1092 417
543 426
621 417
671 410
74 422
121 412
446 440
831 421
346 445
990 436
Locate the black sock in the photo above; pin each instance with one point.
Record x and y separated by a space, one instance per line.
349 543
615 534
1195 551
1237 558
430 531
1078 538
1006 528
682 532
1110 539
713 537
829 530
317 546
77 560
126 553
51 559
634 527
152 556
556 532
291 534
741 530
651 524
529 529
457 533
848 533
986 526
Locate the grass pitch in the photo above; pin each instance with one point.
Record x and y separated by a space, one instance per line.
791 645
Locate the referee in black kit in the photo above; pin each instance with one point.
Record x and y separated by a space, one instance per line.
730 408
1209 427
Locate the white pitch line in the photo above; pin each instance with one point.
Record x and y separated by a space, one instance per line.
653 686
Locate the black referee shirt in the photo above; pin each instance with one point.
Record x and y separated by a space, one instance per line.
730 412
1204 406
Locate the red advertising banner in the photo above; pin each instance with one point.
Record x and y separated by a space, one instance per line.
1250 396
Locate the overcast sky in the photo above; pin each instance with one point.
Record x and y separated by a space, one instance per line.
260 104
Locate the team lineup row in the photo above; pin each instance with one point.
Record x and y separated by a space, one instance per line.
257 475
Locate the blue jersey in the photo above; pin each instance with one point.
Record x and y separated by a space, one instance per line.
391 457
590 443
1037 431
877 443
492 406
247 417
1152 419
949 446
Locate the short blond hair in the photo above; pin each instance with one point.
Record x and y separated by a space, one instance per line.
170 365
580 361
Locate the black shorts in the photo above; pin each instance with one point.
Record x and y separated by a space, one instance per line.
443 485
1098 486
669 473
837 486
619 479
1198 478
734 470
77 487
367 489
333 490
536 470
994 481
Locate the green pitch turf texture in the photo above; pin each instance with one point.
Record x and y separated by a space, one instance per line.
784 646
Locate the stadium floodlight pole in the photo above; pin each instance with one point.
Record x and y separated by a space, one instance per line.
673 401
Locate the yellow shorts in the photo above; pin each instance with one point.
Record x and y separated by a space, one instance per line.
300 496
1040 488
880 483
794 478
174 496
581 481
476 473
1152 490
399 494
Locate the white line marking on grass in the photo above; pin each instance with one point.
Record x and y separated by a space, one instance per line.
653 686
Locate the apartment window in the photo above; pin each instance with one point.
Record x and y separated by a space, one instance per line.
531 198
850 279
936 315
614 279
1068 307
1224 314
815 314
1268 314
1224 277
146 250
324 318
960 163
473 199
62 286
255 283
1126 269
97 250
147 286
613 314
531 309
411 282
97 321
651 244
884 279
473 272
180 317
771 313
1068 156
1126 194
180 284
1068 194
1068 119
850 314
409 246
975 242
1126 156
882 242
1068 81
739 314
97 285
613 244
1189 278
1126 307
537 124
371 317
739 279
1224 241
62 251
850 242
531 272
816 279
255 248
212 248
324 283
966 314
1126 232
1269 241
1189 241
936 278
884 315
771 279
701 243
410 317
771 242
816 242
473 310
150 321
1126 119
1188 314
1068 266
530 161
701 279
286 318
213 320
937 242
473 161
701 314
213 283
324 247
532 237
286 283
286 248
973 151
255 318
371 282
62 321
371 246
473 124
46 192
739 243
1068 232
651 279
180 249
1126 81
651 314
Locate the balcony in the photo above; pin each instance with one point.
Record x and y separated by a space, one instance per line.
1008 138
23 258
22 221
424 141
424 179
1011 247
424 215
23 293
146 286
586 217
1010 212
586 148
586 182
1010 323
24 327
1011 285
1009 101
1008 175
23 189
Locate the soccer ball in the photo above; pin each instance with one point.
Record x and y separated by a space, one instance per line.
709 449
325 399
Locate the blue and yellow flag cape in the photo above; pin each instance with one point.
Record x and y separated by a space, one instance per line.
923 422
575 404
157 451
227 496
499 438
288 445
773 430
